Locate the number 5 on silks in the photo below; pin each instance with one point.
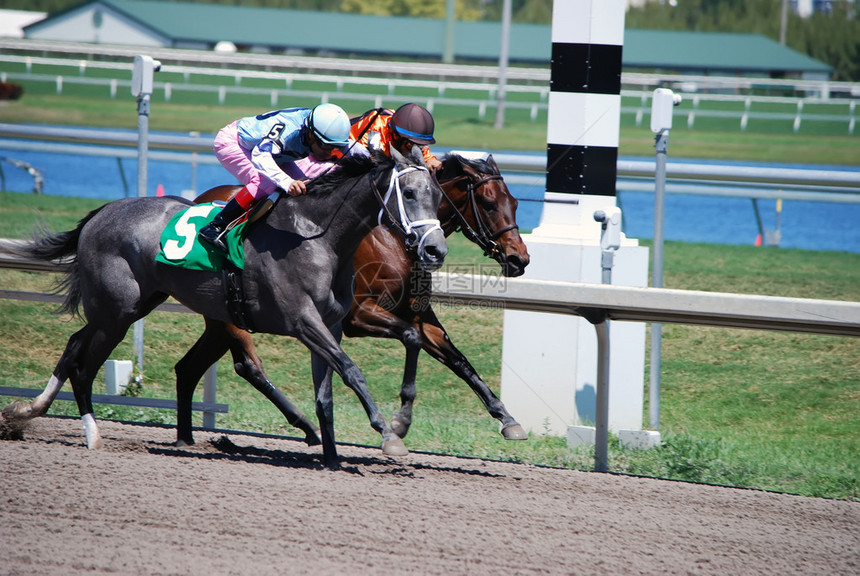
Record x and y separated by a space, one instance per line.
184 232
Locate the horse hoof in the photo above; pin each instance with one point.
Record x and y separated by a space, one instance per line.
184 443
394 447
96 444
12 429
313 438
15 411
514 432
399 427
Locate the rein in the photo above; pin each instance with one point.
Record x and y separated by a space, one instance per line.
483 237
405 228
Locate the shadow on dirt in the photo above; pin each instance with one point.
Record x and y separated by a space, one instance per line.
223 448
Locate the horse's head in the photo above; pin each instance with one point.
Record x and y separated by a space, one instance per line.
410 206
479 203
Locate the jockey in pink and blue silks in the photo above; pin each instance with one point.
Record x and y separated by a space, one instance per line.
250 149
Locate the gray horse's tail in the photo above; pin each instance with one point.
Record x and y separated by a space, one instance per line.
63 249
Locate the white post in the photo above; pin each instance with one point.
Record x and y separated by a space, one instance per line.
662 105
141 88
503 64
550 363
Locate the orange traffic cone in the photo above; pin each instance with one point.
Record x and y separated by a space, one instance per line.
758 240
159 191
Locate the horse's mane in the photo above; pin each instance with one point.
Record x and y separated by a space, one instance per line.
452 165
346 169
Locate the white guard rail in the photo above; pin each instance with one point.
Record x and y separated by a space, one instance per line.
606 302
599 303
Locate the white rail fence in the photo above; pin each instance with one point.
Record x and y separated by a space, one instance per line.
724 97
85 54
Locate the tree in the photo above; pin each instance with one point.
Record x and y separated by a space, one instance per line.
833 38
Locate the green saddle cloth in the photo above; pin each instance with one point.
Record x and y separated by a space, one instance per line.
181 247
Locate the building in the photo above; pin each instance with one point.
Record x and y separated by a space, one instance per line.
12 22
268 30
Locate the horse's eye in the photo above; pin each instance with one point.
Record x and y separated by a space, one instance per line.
410 193
488 204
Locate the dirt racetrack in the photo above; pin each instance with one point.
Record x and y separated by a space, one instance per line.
246 504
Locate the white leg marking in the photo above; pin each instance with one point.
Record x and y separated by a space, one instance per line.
91 429
43 401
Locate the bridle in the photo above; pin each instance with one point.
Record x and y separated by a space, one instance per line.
403 226
483 236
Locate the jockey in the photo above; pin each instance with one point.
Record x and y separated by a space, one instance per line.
409 125
250 147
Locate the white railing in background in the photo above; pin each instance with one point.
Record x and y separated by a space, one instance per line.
738 98
539 75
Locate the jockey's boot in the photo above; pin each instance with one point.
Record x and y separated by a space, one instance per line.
213 232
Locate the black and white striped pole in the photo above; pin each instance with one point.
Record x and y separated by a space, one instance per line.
584 113
550 363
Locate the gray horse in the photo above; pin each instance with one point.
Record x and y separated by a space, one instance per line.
298 279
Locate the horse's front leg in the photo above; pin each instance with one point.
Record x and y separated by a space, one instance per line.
439 346
370 319
402 419
324 343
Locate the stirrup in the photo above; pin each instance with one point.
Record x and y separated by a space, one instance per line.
215 242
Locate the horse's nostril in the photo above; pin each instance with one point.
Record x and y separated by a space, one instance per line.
514 265
438 252
433 256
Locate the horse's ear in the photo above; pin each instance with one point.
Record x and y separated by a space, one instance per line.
398 158
492 162
418 156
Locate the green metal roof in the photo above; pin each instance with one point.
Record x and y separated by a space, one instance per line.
280 30
713 51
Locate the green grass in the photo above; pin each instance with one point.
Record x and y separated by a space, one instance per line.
768 410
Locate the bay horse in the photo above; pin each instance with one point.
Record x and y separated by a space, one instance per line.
298 279
392 295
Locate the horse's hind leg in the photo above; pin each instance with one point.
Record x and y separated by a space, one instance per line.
95 346
86 351
41 403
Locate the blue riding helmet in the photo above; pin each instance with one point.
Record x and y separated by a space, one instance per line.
330 124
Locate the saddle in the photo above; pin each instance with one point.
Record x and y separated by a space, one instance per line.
180 248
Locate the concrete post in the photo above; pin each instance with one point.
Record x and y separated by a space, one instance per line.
550 363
